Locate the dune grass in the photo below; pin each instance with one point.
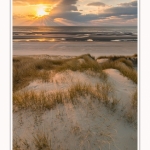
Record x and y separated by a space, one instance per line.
46 101
115 57
26 69
124 69
16 145
131 113
40 141
19 144
36 101
128 63
45 140
88 64
134 100
125 64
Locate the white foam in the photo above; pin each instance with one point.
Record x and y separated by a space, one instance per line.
115 40
89 40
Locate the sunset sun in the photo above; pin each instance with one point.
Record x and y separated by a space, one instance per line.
41 11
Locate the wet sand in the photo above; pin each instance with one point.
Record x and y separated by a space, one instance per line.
74 48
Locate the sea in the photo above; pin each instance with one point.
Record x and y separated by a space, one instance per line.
74 40
74 33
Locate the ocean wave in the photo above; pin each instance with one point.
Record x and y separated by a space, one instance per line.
125 40
89 40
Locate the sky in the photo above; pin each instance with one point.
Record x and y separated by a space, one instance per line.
74 12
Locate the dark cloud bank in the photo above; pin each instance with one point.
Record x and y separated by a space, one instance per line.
67 10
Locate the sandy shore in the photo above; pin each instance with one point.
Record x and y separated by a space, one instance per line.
96 117
74 48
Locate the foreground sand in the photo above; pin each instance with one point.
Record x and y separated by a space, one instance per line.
85 124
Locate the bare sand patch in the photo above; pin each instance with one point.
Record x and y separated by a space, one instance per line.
123 86
87 125
62 81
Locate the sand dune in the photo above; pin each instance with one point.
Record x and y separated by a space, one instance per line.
86 123
123 86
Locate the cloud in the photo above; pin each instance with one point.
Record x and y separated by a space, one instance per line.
67 10
96 4
121 10
18 17
20 3
113 11
129 4
112 20
128 17
65 6
32 2
62 21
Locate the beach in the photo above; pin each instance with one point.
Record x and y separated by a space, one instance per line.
75 48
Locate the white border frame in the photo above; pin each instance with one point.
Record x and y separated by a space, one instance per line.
138 86
144 75
5 75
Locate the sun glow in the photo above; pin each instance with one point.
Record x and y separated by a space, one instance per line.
41 11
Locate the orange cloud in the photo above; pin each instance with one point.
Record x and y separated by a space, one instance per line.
63 21
33 2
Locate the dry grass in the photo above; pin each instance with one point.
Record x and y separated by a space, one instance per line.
40 141
128 63
43 141
131 113
124 69
26 69
134 100
125 64
16 144
113 57
129 116
89 64
43 101
37 101
135 55
21 144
